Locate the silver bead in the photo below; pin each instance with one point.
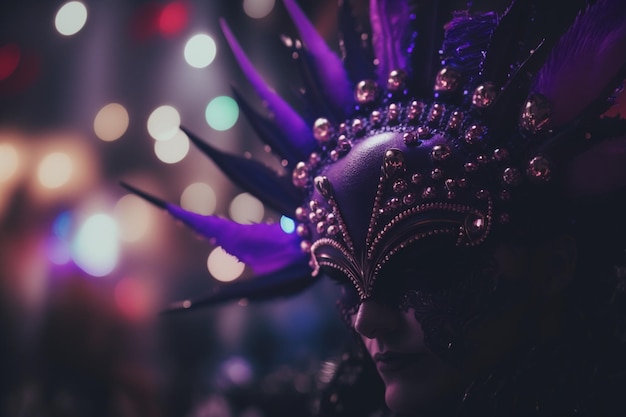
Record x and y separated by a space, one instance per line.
436 174
436 111
440 152
393 162
376 117
334 155
314 205
396 80
536 113
500 154
322 185
470 167
482 159
330 218
484 95
455 120
462 182
302 230
393 111
447 79
394 203
450 184
358 128
409 199
314 159
416 108
322 130
539 169
410 139
343 145
332 230
302 214
429 192
300 175
473 134
416 178
305 246
366 92
482 194
511 176
320 227
399 186
423 132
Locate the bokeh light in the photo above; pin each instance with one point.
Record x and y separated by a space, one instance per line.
222 113
163 123
58 251
287 224
199 198
200 51
173 18
246 209
9 161
223 266
111 122
55 170
134 218
71 18
257 9
134 298
95 247
9 59
173 150
237 370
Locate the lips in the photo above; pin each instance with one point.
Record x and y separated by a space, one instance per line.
396 361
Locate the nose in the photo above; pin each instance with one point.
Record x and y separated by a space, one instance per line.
374 319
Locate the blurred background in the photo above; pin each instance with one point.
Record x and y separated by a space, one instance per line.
92 93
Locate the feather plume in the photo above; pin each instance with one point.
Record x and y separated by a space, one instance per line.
357 58
294 127
588 56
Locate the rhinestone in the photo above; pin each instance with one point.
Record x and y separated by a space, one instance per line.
399 186
410 139
470 167
366 91
423 132
539 169
393 162
376 116
435 112
484 95
409 199
455 120
416 178
396 80
440 152
511 176
322 130
302 214
332 230
300 175
320 227
393 112
450 184
302 230
429 192
305 246
474 134
535 114
436 174
416 108
358 127
322 185
500 154
314 159
447 79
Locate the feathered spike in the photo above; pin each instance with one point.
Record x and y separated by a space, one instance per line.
357 58
591 52
285 282
331 74
502 51
294 127
269 133
265 248
391 35
276 191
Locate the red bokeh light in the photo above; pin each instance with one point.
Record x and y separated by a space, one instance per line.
173 18
9 59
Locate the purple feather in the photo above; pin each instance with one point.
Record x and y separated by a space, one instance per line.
266 248
295 128
588 56
391 31
329 68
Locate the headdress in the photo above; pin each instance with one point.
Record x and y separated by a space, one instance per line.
455 129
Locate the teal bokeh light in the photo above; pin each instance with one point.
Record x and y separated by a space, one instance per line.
222 113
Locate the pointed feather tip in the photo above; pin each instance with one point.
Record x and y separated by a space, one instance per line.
148 197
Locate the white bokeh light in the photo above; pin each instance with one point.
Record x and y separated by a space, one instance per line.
200 51
9 161
222 113
55 170
164 123
71 18
133 216
95 248
199 198
173 150
223 266
246 209
257 9
111 122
